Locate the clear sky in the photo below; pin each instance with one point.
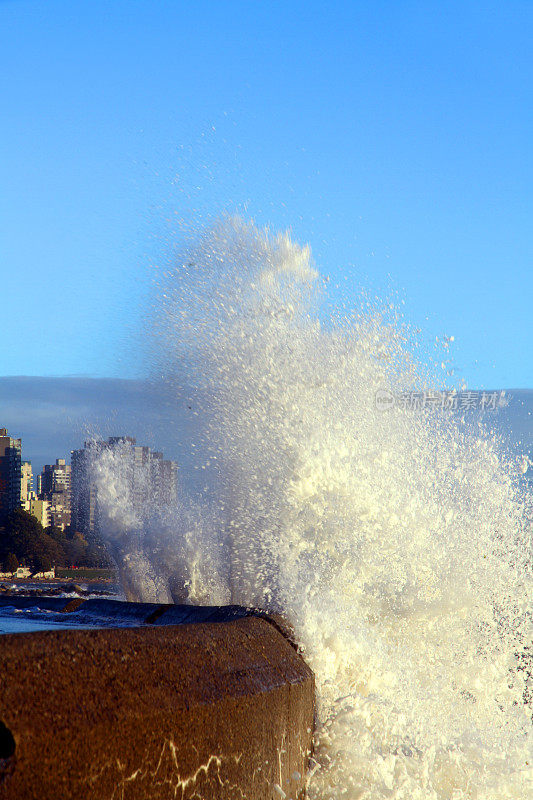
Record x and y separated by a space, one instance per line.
394 137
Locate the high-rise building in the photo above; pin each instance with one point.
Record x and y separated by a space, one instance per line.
10 473
83 490
84 499
149 479
55 479
164 479
26 484
55 488
40 509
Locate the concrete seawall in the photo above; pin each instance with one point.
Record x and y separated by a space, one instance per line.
221 708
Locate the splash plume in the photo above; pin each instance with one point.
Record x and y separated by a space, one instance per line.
394 542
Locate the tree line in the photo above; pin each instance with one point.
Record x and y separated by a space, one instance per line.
24 542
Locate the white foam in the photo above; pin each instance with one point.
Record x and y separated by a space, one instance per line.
394 541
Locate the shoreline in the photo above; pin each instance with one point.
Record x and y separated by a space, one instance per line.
66 579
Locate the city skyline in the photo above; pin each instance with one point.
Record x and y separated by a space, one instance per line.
64 495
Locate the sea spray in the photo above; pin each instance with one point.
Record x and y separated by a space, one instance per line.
394 541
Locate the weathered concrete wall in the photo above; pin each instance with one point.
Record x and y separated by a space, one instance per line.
207 710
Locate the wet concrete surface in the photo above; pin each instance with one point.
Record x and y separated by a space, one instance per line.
201 703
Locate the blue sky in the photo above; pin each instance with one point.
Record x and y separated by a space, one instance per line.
393 137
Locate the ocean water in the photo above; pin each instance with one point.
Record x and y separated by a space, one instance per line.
19 614
397 542
31 620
